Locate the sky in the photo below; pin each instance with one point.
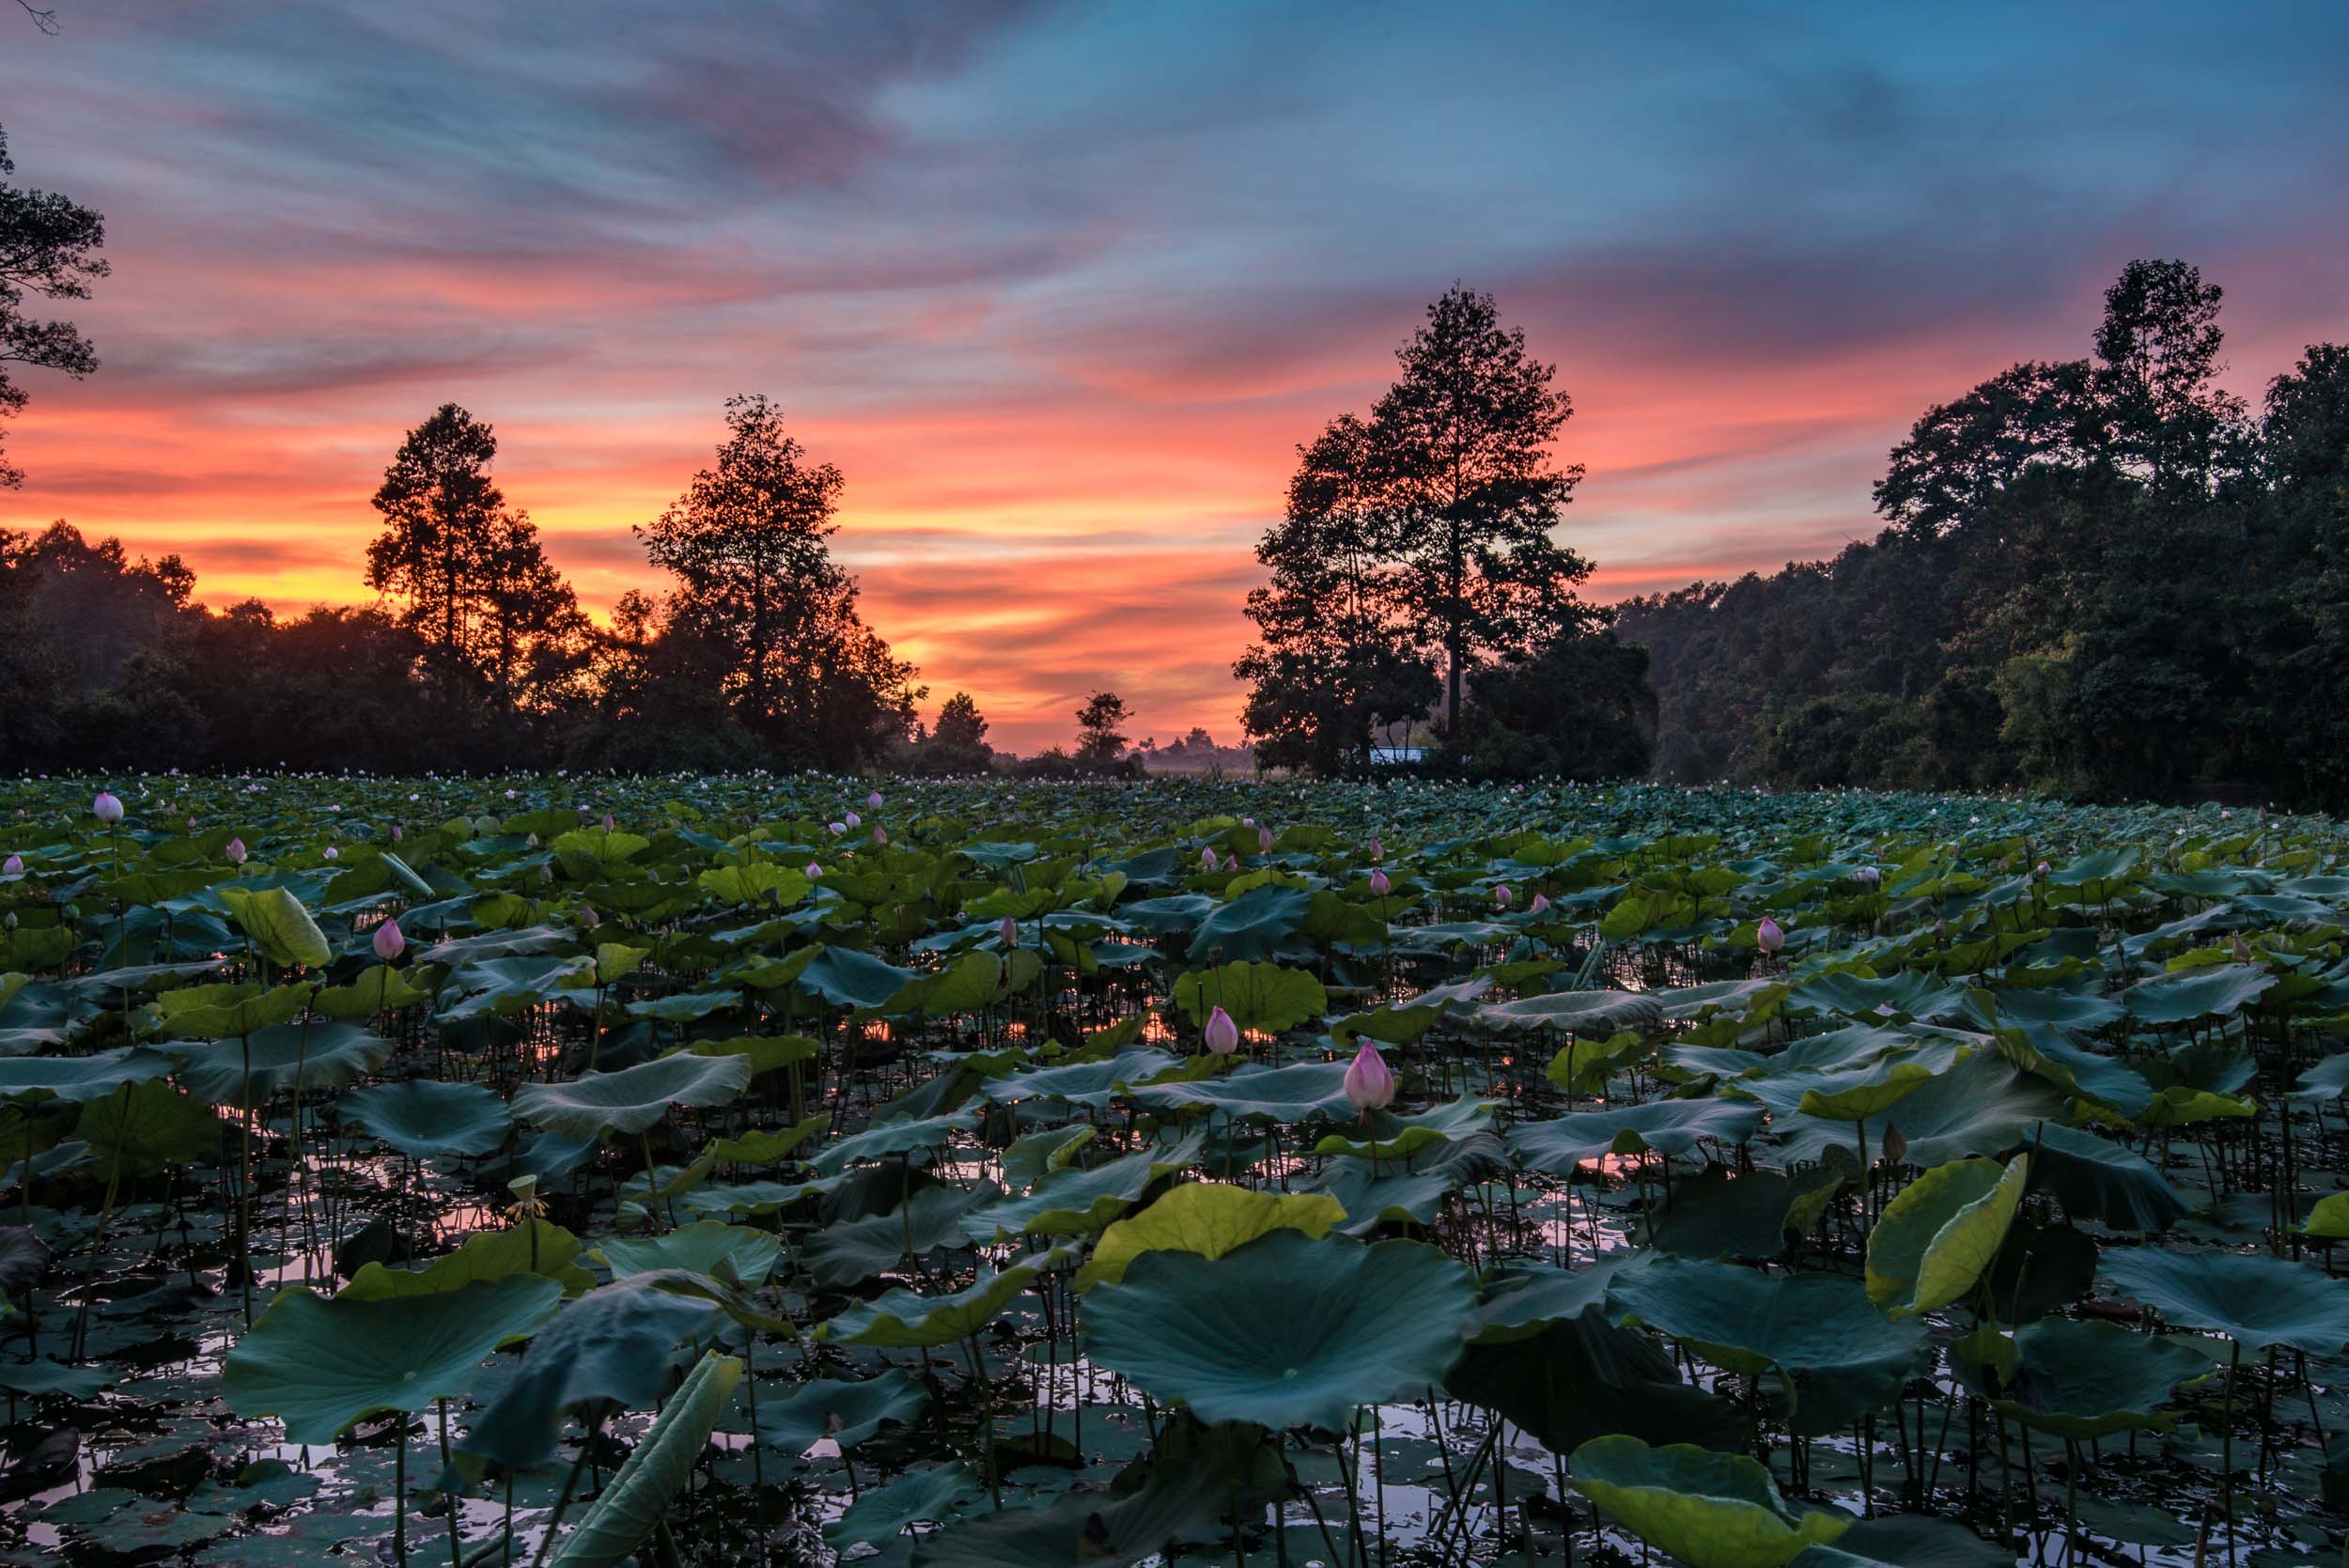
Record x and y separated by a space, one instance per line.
1061 287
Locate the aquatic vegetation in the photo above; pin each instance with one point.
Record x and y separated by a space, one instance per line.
585 1169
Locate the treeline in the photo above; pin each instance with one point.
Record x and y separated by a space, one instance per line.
2102 578
479 654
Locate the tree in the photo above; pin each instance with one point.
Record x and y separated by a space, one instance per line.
1962 454
1581 708
1334 656
47 246
1459 452
438 551
1099 742
758 591
2158 352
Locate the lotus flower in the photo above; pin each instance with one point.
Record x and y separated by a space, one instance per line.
2241 948
1222 1033
608 823
835 828
1206 857
881 837
1867 876
2039 872
106 808
1767 937
389 942
1369 1084
234 851
813 871
396 834
1539 906
1379 886
1231 863
1378 850
1264 840
12 866
1008 931
873 801
531 842
1502 895
332 853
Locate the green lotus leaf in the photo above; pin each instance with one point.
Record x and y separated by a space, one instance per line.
1284 1331
846 1412
2221 991
321 1366
1981 1105
1251 926
901 1319
1077 1202
144 1128
1263 997
1668 1126
1934 1238
1835 1355
1290 1093
763 1146
903 1136
760 883
2098 1179
2084 1380
1395 1137
1719 1214
1849 1097
253 1069
279 925
735 1254
2329 1219
1030 1159
847 978
1399 1023
1092 1084
614 1343
426 1120
2255 1300
625 1515
847 1252
77 1080
1383 1194
632 1100
936 1494
537 1247
1210 1219
1592 1013
379 989
1707 1510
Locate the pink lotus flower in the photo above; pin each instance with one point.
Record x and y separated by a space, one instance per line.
106 808
2040 871
1206 857
853 820
332 853
1539 906
813 871
1369 1084
1231 863
1379 886
396 834
1502 895
389 942
1378 850
1767 937
1264 840
234 851
1222 1033
873 801
1009 932
12 866
835 828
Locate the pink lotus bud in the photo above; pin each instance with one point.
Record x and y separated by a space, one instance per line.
532 841
1502 895
234 851
813 871
1379 886
390 943
2040 871
873 801
608 823
1207 858
396 834
1539 906
1369 1084
1767 937
2241 948
1867 876
332 853
1231 863
12 866
881 835
1264 840
1378 850
1008 931
836 829
853 820
1247 821
1222 1033
106 808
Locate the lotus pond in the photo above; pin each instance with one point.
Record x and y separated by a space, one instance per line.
790 1170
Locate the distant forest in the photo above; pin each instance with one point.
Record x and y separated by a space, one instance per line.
2103 577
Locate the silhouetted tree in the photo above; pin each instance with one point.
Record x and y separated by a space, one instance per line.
957 742
437 554
1099 742
761 597
49 247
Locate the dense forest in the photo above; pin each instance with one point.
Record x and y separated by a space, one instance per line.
2103 577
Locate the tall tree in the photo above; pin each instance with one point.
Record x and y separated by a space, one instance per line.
756 586
1461 451
1335 655
2157 348
49 247
1099 740
437 553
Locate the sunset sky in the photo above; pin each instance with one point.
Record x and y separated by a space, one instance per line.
1061 287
